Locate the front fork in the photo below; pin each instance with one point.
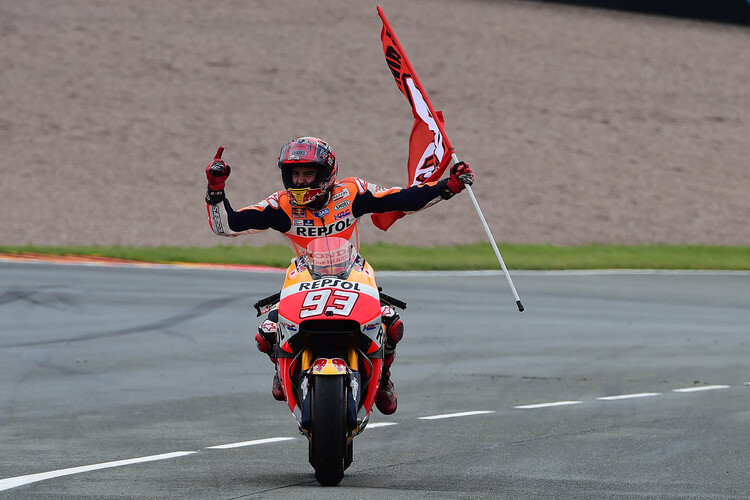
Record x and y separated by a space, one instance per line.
307 360
330 367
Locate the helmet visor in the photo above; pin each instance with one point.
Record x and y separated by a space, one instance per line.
304 151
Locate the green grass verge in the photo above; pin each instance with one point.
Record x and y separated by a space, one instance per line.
476 256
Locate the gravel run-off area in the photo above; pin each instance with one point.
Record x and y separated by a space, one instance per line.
582 125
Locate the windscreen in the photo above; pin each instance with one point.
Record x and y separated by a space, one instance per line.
330 257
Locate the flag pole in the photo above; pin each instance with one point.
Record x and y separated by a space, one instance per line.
387 30
492 241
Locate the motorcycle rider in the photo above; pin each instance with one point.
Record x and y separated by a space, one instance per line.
314 203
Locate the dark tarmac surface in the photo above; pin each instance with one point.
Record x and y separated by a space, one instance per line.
109 364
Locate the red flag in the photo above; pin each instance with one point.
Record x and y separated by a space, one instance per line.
429 148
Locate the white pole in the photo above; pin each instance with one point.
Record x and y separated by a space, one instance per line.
492 241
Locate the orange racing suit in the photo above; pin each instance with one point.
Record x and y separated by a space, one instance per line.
349 199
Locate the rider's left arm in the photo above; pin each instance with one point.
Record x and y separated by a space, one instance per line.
373 199
379 200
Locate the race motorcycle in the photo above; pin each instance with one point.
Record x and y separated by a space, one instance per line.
330 341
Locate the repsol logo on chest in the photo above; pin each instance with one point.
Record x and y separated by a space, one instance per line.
314 285
328 230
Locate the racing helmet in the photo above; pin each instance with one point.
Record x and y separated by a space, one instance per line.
308 151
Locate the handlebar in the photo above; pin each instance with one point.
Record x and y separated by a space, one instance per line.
391 301
271 299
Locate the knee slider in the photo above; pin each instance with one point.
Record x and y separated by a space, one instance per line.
262 344
396 331
394 327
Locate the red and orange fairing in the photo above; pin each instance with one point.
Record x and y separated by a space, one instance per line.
355 298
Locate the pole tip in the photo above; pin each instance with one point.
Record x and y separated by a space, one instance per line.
520 306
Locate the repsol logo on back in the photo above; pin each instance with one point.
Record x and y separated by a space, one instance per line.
325 282
328 230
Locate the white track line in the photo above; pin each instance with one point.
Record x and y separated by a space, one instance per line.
14 482
630 396
249 443
546 405
453 415
701 388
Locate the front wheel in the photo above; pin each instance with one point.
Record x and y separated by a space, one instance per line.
328 429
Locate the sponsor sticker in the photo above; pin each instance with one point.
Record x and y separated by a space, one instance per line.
328 230
328 282
342 215
342 194
322 213
299 213
370 327
268 326
289 327
342 205
303 222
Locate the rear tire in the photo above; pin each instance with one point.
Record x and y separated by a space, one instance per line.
328 429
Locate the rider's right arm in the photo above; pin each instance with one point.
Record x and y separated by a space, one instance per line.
225 221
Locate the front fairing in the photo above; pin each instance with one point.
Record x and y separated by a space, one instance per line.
354 300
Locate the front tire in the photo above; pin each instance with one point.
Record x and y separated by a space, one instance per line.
328 429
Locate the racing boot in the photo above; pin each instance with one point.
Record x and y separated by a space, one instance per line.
265 340
386 399
276 390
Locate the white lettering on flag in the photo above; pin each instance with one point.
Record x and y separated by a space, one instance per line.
424 168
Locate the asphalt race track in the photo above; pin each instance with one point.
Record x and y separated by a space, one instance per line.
128 382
